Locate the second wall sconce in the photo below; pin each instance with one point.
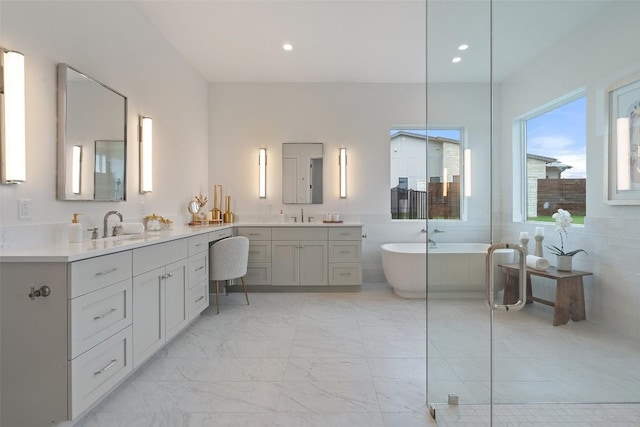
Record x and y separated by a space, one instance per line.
262 163
342 161
12 120
146 154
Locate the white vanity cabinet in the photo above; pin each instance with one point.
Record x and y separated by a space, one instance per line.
299 256
345 256
259 265
159 296
198 272
67 345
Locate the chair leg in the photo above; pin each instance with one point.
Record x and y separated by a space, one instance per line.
245 290
217 298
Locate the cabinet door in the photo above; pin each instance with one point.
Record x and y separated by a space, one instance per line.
177 315
313 263
148 314
284 263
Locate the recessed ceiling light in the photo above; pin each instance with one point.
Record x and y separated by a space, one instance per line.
463 47
287 46
456 59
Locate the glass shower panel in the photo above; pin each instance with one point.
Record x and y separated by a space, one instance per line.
571 344
459 97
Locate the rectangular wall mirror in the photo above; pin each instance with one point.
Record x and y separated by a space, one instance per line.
92 139
302 173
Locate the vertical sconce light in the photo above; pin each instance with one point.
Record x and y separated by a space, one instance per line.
12 118
467 172
342 161
76 162
146 154
262 162
623 135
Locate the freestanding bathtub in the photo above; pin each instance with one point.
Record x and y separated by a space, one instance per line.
453 267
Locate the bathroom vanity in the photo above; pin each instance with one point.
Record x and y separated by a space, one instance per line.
304 256
77 319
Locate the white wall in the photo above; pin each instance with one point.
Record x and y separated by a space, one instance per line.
113 43
245 117
594 58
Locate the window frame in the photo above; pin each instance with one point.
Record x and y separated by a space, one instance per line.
519 134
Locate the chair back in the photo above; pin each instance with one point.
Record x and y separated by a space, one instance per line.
228 258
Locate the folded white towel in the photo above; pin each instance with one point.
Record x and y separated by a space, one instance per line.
132 228
537 263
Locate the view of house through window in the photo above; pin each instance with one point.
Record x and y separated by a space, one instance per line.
425 173
555 141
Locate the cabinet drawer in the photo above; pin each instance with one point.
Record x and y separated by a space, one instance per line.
95 273
345 233
299 233
344 251
345 274
255 233
198 299
155 256
98 315
220 234
198 268
258 274
97 371
260 251
198 244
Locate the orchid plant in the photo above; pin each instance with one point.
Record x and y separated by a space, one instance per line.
563 221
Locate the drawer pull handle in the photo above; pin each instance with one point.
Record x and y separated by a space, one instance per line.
345 274
197 245
200 268
43 291
253 234
105 314
345 252
109 271
106 368
200 299
345 234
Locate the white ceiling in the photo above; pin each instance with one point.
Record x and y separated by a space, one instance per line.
361 40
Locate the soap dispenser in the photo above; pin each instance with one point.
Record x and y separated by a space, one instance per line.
75 229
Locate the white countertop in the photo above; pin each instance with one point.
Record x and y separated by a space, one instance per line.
68 252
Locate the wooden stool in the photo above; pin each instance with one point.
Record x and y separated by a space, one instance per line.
569 303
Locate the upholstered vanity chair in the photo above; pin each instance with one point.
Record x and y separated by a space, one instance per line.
228 260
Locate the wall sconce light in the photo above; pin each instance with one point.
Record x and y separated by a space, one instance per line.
467 172
12 118
342 161
262 162
76 162
623 135
146 154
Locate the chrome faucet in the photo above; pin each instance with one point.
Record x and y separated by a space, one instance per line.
106 216
301 215
432 243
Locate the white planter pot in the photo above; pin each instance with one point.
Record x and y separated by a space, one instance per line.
564 262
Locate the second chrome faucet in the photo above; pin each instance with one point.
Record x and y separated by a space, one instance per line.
106 217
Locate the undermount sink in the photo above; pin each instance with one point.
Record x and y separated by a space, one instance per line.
122 237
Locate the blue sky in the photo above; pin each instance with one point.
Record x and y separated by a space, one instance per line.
561 133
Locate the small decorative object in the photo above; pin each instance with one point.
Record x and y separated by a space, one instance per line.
153 222
539 236
227 218
202 202
524 242
216 212
564 259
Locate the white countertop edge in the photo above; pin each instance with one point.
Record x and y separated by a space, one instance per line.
94 248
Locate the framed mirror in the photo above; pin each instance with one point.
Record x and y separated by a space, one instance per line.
92 139
302 173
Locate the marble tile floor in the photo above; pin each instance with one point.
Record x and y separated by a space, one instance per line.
356 359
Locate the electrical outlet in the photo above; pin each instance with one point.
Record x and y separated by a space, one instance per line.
24 208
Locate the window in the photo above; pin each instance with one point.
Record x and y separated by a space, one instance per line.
555 147
426 170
